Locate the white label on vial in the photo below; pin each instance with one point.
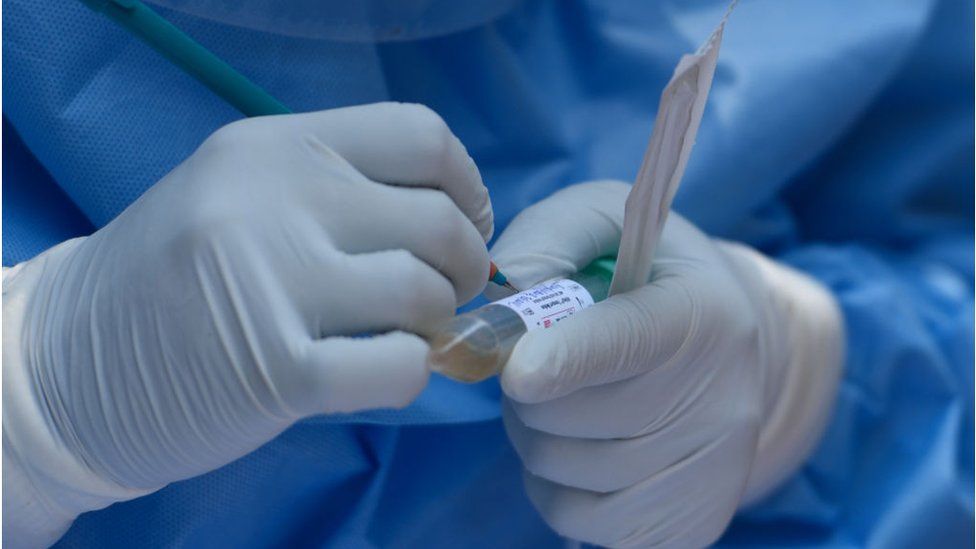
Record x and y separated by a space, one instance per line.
545 304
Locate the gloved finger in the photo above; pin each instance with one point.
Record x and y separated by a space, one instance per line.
603 465
648 403
561 234
386 290
626 335
424 222
405 144
686 505
340 374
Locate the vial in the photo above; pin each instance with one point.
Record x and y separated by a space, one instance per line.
475 345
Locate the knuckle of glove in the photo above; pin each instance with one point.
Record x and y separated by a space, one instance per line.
596 192
447 223
730 312
577 516
431 134
423 297
568 520
234 138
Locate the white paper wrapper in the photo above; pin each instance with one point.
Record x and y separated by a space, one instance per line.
678 117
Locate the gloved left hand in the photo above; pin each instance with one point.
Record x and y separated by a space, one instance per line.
222 306
649 418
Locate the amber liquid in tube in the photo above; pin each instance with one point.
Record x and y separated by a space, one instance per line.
475 345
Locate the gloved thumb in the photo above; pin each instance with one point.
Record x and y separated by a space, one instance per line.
561 234
626 335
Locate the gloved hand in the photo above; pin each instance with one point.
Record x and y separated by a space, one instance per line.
219 307
649 418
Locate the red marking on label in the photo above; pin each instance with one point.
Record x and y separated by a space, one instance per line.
546 319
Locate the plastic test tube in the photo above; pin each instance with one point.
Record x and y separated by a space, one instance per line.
475 345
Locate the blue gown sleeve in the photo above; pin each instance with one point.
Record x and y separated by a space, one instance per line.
885 220
37 214
895 464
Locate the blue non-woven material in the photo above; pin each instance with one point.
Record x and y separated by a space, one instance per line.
838 138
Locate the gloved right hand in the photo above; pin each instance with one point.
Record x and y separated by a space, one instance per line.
220 307
648 419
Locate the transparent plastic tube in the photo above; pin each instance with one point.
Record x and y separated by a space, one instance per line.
475 345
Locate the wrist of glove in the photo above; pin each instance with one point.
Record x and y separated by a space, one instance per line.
231 300
652 416
46 484
802 344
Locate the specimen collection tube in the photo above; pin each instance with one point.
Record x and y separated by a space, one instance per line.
475 345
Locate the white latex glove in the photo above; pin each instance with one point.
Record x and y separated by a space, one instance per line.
216 310
650 417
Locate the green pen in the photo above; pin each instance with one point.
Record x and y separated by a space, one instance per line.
184 52
211 71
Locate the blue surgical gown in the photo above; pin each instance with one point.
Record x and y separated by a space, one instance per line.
838 138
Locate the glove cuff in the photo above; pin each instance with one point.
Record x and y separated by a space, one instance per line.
802 354
45 485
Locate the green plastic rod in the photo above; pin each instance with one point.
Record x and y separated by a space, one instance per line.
207 68
187 54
